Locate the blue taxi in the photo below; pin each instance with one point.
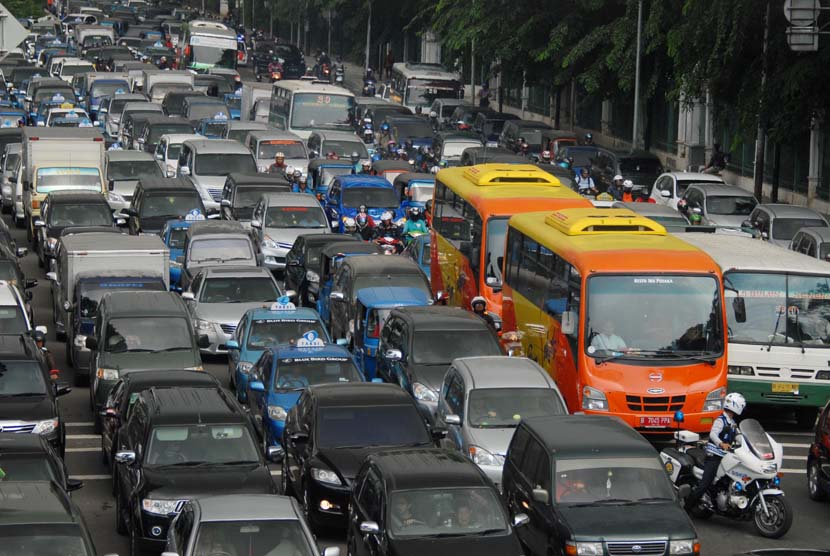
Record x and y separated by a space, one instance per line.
258 329
348 193
234 103
215 127
173 234
281 374
372 309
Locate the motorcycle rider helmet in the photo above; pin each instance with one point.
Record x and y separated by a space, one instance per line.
289 171
384 126
545 155
298 173
386 218
279 156
628 185
303 178
434 169
734 402
618 178
478 300
39 337
589 138
415 213
355 156
366 166
350 225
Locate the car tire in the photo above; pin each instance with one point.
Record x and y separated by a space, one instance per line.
814 488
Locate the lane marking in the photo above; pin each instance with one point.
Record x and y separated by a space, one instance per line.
785 445
94 449
83 436
80 424
91 477
795 471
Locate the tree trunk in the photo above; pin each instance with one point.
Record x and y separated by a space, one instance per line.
776 172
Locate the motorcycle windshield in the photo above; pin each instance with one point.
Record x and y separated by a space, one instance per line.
756 438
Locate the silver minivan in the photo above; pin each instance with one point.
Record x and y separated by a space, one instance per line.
209 161
278 219
266 144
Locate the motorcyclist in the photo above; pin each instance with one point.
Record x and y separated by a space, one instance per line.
415 223
295 178
237 84
278 167
616 188
302 185
628 191
585 183
368 136
355 157
365 168
40 340
163 63
350 228
545 157
567 162
369 75
523 146
588 139
721 436
387 227
365 226
479 306
331 155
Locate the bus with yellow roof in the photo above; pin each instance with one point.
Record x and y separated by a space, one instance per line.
627 318
470 209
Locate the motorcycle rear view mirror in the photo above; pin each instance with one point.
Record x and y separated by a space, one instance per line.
739 308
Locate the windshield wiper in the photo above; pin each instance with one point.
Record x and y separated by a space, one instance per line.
186 464
237 462
655 499
775 331
168 349
604 501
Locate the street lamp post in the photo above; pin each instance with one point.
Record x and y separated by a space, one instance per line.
368 36
635 139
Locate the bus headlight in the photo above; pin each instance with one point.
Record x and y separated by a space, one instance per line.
740 370
594 399
714 400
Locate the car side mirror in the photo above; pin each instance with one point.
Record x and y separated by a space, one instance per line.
39 223
256 224
523 519
299 436
438 433
257 386
27 284
274 454
73 484
91 343
337 296
232 344
369 528
452 419
188 296
665 193
203 341
541 495
569 323
393 355
22 251
126 457
159 156
747 224
331 551
225 203
184 170
62 389
739 308
171 174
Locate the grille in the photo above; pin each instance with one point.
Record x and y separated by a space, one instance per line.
636 548
17 427
228 328
775 372
655 403
216 194
783 397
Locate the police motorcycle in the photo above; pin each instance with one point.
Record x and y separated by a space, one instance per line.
339 73
747 485
369 83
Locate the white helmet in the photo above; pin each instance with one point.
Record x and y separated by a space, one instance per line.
350 224
735 403
618 177
289 170
386 216
476 300
628 184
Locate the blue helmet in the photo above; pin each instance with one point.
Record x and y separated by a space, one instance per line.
384 126
376 156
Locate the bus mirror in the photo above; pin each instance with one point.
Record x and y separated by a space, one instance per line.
739 307
569 323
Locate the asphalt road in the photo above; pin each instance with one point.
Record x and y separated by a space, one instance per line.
83 458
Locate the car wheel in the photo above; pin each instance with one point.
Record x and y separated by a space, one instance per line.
120 523
814 488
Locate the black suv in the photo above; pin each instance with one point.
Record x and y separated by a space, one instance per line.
331 430
179 443
28 394
30 457
404 498
157 200
66 209
303 261
592 485
417 345
38 517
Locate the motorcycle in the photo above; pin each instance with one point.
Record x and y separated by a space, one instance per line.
390 245
369 87
747 484
339 74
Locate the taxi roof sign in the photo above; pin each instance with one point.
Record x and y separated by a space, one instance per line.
310 339
283 304
593 221
503 174
220 116
194 215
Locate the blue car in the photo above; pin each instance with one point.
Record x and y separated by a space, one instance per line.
215 127
418 251
373 307
282 373
348 193
259 329
173 234
234 103
330 259
41 110
102 88
10 116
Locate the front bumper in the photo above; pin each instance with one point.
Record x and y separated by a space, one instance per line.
700 422
217 337
336 496
760 392
152 535
274 259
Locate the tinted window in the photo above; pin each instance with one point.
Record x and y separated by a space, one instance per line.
147 335
18 378
238 290
363 426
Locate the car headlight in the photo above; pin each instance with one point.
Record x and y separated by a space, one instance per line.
200 324
114 197
277 412
244 367
175 264
686 546
159 507
584 548
269 243
480 456
714 400
740 370
424 393
594 399
312 276
51 242
107 374
325 476
45 427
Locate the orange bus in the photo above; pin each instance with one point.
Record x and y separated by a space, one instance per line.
627 319
470 209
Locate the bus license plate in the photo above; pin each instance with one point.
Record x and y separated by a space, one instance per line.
655 422
785 387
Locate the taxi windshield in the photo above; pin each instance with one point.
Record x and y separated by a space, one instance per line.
272 332
306 371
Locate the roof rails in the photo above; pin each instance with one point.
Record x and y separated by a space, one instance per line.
202 24
502 174
591 221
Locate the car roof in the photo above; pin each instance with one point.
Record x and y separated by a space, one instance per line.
337 135
392 296
414 176
102 241
821 233
500 371
74 197
17 347
235 271
217 146
151 303
299 313
257 179
142 380
288 199
318 239
123 154
7 296
648 209
248 124
441 317
246 507
694 177
191 405
588 436
721 189
152 119
30 502
210 227
780 210
151 183
177 137
431 467
275 134
530 124
359 393
348 247
363 181
372 264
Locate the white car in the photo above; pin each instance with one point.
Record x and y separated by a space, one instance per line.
670 187
168 150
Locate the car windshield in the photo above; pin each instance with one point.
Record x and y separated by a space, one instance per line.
496 233
291 149
214 129
12 320
247 197
91 294
176 238
220 249
683 185
300 372
157 130
639 166
730 205
160 90
151 334
370 426
207 110
436 347
532 136
505 407
779 308
373 197
618 480
344 149
437 512
170 204
27 467
105 89
233 102
76 68
824 251
133 170
63 215
421 192
413 130
375 321
295 217
264 537
238 290
20 378
676 315
216 164
493 127
272 332
117 105
314 110
454 149
11 160
190 444
785 228
47 93
422 92
238 134
173 151
43 540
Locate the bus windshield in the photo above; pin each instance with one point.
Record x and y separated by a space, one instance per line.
422 92
780 308
321 111
676 315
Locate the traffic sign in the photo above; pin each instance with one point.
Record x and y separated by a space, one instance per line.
802 13
12 32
